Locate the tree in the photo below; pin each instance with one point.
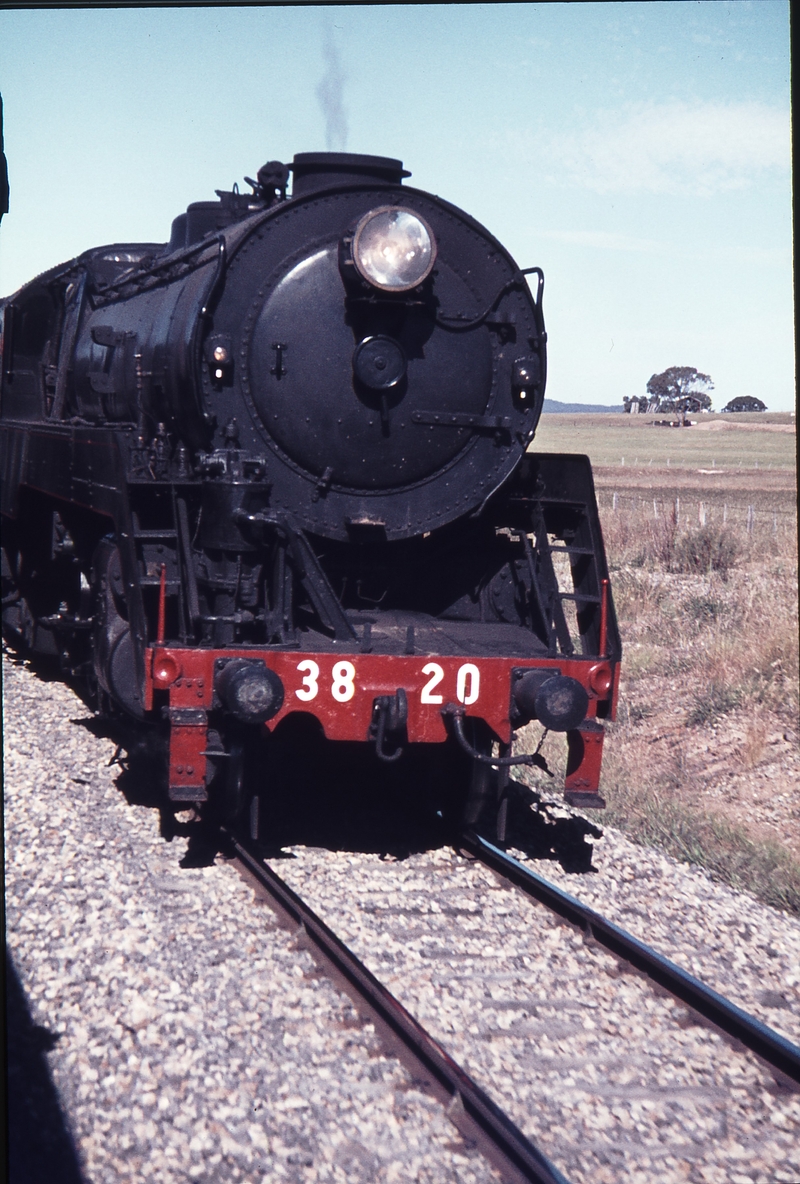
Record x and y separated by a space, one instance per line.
745 403
678 385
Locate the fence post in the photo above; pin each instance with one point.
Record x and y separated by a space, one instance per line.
750 519
724 513
655 508
774 522
702 514
614 504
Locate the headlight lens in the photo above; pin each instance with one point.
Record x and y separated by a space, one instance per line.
393 249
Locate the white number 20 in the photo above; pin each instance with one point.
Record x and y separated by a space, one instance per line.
437 674
473 674
468 683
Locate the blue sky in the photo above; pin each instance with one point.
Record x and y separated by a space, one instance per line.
639 153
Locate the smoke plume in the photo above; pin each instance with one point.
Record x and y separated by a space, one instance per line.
330 94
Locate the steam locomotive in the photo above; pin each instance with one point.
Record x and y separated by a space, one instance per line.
268 485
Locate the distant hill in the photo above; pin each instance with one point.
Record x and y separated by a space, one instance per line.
554 407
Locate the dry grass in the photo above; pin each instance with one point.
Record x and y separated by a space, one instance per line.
703 759
652 813
707 730
701 534
677 541
730 634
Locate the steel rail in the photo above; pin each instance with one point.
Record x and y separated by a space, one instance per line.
764 1041
472 1111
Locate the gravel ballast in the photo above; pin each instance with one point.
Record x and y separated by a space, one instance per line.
189 1038
614 1080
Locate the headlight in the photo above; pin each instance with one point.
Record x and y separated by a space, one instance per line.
393 249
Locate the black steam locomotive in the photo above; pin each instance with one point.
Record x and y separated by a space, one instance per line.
270 480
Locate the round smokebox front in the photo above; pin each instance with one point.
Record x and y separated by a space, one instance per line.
337 377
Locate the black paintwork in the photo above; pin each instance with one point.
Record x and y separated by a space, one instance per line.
195 405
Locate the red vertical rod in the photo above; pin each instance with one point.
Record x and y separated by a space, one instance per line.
162 605
603 618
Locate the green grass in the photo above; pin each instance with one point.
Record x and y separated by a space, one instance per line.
758 866
607 439
649 811
713 701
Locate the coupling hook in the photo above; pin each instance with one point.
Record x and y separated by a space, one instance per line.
389 715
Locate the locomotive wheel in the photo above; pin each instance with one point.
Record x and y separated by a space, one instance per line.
233 787
18 623
113 645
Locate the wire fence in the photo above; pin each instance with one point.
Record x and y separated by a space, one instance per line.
685 513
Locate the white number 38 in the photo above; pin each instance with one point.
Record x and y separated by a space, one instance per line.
342 685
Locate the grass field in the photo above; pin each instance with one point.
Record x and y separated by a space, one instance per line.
703 760
753 442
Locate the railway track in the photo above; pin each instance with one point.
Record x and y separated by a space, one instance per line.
775 1050
471 1110
192 992
469 1105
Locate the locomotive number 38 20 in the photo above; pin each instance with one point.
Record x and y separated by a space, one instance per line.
343 682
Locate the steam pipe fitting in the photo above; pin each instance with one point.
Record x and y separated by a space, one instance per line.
454 714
